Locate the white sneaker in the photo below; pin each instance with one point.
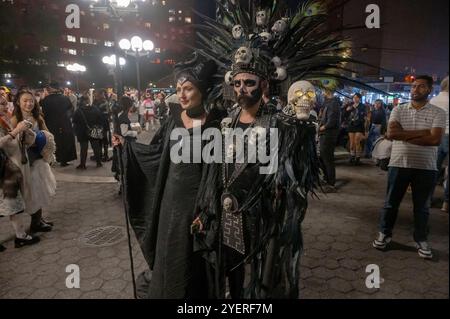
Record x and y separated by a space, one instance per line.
424 250
382 241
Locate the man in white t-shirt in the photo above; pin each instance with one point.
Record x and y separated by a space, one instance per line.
416 129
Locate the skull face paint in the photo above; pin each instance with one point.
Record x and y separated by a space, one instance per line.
301 99
238 32
247 88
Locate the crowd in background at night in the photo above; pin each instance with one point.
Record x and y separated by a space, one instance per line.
95 115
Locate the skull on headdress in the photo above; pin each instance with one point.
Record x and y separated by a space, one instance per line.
243 55
238 32
261 18
279 27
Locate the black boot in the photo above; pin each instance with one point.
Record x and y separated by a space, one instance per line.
19 242
2 248
38 225
358 161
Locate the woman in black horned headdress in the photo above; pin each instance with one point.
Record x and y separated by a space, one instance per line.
160 192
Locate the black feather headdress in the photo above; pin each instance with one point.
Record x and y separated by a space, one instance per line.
262 39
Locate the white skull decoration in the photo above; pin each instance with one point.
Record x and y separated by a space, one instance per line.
265 37
228 205
301 99
261 18
279 27
238 32
280 74
229 77
276 61
243 55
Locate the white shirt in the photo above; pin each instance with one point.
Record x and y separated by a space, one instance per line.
442 101
407 155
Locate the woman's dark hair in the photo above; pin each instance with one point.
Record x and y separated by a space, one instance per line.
36 112
84 101
358 95
126 103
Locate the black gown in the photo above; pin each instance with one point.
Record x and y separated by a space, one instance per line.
161 199
57 109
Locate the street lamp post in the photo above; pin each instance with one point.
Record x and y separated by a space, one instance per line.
137 48
115 9
76 69
111 63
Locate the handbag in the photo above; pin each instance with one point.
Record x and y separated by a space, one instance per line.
95 132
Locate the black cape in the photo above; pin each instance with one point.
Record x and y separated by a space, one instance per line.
160 197
57 109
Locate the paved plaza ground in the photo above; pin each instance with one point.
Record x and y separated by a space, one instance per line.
338 231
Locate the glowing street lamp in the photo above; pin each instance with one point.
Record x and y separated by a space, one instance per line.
137 48
77 69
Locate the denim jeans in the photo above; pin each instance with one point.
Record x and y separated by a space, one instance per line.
421 182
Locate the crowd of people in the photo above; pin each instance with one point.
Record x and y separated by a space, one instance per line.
229 227
39 127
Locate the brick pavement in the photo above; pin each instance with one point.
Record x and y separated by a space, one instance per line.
338 231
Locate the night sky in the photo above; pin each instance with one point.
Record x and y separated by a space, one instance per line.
414 32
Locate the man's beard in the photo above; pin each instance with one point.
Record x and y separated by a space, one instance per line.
246 101
420 98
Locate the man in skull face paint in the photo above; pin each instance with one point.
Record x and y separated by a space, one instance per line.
251 234
248 90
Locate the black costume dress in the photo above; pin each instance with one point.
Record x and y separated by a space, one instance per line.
57 109
161 198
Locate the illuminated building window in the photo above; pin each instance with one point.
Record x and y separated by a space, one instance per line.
148 25
71 38
188 20
105 26
171 19
157 50
44 48
109 44
72 51
88 41
163 2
